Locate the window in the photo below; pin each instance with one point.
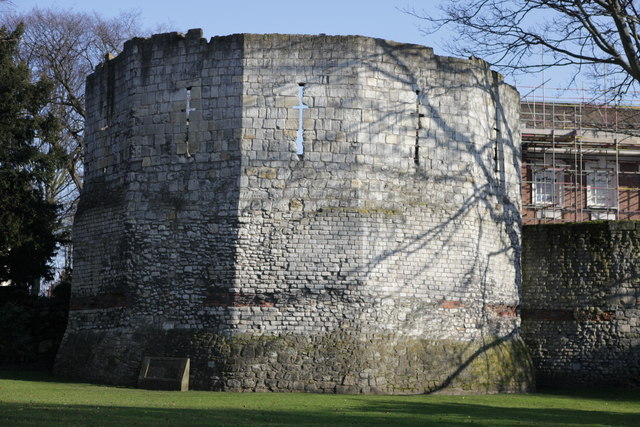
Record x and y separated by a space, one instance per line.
601 183
547 187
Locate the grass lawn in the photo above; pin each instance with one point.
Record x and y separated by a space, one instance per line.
36 399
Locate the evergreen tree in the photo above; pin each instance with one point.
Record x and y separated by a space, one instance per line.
28 160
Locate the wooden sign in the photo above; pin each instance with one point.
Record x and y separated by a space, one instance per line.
164 373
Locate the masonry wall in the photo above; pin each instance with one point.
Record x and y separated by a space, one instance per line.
581 302
384 259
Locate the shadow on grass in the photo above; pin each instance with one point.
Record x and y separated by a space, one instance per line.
34 375
622 395
566 407
455 413
372 413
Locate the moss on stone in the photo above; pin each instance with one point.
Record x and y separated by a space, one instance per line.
344 362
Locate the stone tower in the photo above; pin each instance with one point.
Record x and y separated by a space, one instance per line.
292 212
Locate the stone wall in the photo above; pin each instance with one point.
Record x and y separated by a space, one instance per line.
384 258
581 302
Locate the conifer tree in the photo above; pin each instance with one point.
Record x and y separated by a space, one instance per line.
28 159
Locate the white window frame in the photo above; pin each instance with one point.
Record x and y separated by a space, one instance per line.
601 187
546 185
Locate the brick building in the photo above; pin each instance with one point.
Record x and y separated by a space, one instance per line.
580 161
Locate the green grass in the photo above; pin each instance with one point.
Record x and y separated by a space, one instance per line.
36 399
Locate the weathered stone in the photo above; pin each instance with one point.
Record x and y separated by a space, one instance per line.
580 303
382 260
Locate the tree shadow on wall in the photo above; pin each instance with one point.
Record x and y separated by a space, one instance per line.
488 203
492 202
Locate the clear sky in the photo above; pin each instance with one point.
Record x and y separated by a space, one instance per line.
373 18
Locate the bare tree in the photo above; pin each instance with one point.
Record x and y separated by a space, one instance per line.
65 46
598 36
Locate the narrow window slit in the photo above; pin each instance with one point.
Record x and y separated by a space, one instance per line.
188 109
416 150
497 151
300 107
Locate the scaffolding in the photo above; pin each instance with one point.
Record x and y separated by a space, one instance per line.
580 159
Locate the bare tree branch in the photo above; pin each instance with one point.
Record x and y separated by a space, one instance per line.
577 33
65 46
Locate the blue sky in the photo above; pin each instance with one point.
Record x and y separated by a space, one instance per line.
373 18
